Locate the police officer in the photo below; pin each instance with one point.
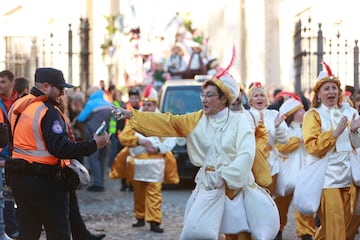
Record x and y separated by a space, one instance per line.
40 140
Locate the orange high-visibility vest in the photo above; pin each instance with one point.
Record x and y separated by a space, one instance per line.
28 137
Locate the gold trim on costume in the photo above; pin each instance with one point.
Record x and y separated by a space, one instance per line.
223 88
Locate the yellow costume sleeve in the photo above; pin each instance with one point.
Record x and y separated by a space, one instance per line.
316 142
128 138
118 169
171 171
289 147
261 168
164 124
261 135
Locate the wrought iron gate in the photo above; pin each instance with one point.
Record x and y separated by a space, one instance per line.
313 47
24 54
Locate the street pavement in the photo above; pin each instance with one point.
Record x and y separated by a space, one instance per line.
111 212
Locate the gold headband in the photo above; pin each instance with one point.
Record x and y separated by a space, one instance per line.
319 83
298 107
223 88
150 100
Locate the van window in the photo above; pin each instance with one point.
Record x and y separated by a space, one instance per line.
182 99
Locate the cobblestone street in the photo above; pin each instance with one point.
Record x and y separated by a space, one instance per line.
111 212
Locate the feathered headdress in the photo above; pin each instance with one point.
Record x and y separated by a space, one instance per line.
226 81
150 94
223 71
328 69
326 76
256 84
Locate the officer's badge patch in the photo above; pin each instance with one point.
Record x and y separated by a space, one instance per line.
57 128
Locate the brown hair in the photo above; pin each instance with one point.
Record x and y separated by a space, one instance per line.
8 74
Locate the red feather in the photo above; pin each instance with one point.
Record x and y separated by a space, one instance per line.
257 84
224 71
147 90
327 69
293 95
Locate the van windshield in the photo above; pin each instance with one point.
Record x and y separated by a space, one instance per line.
182 99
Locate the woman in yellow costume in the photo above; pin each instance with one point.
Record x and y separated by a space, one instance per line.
330 126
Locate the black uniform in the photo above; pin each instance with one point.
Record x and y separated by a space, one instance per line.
39 189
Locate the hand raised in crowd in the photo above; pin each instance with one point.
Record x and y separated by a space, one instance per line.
354 124
340 127
102 140
279 119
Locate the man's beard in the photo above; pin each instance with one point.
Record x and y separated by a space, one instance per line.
53 101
